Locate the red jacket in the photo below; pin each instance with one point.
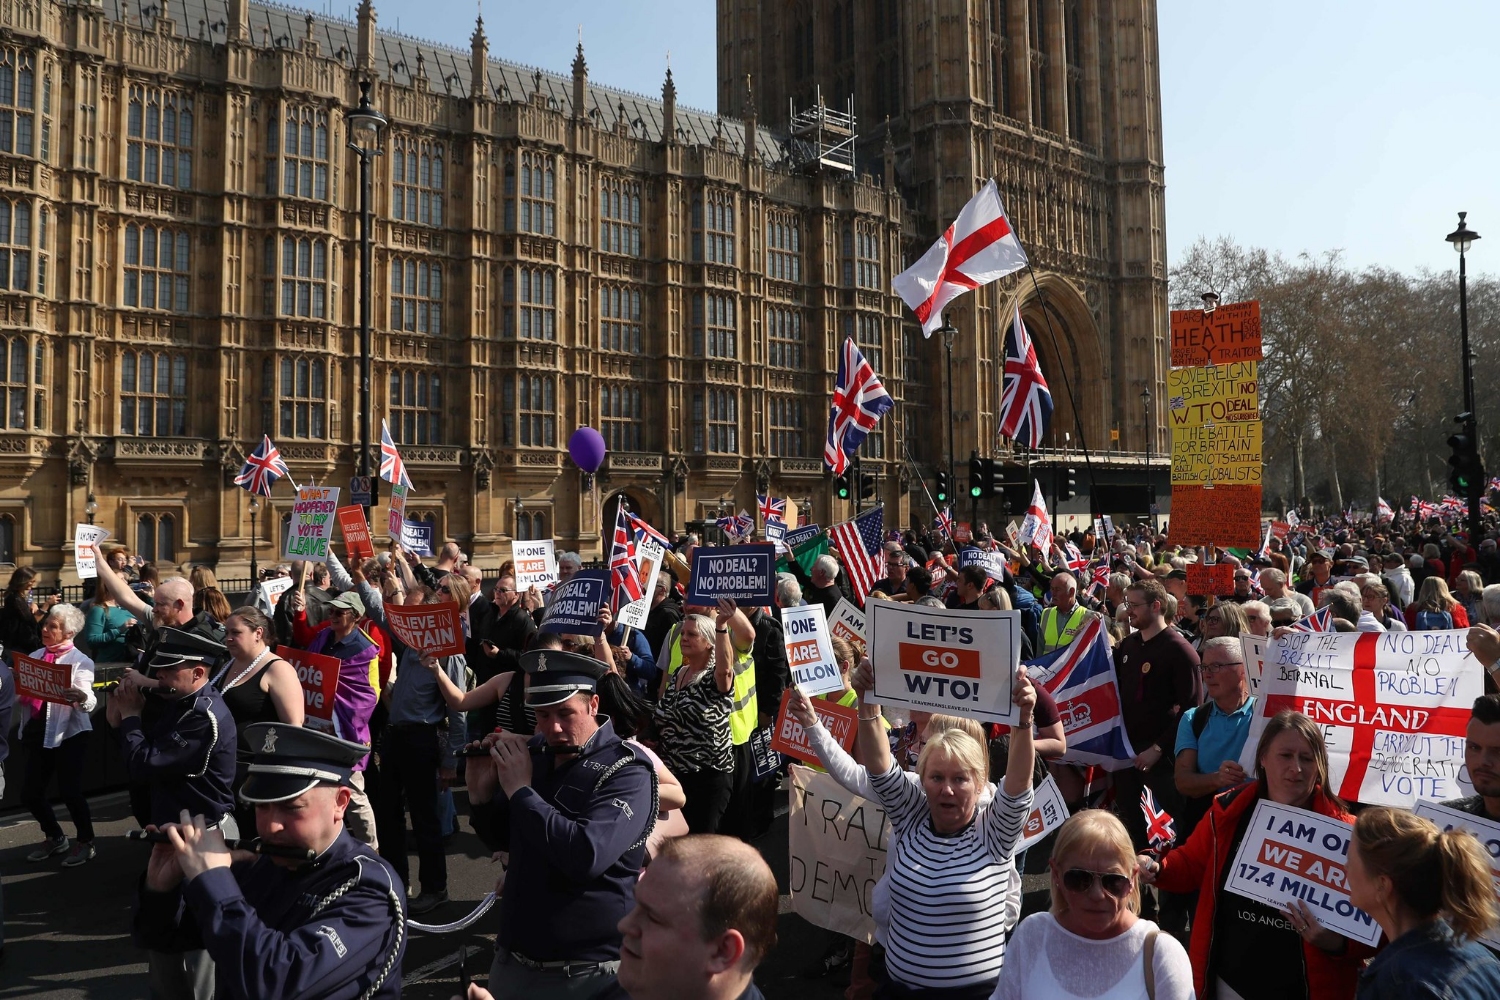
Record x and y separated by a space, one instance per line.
1197 865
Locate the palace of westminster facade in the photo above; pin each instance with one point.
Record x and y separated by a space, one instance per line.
179 249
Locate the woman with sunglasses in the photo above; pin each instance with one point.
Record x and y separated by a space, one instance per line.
1242 949
1092 943
1225 618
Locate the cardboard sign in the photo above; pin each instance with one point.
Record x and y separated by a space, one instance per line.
1213 580
574 606
86 539
788 736
1488 832
1394 709
1048 810
809 654
806 533
433 629
993 562
1291 853
1253 647
397 516
319 676
764 759
837 854
745 574
1213 394
848 623
1226 452
40 679
648 559
940 660
1229 333
272 589
356 531
536 564
416 537
311 526
1223 515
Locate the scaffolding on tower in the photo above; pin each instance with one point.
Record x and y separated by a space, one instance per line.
821 138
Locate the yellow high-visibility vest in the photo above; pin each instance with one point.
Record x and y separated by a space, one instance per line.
744 715
1051 637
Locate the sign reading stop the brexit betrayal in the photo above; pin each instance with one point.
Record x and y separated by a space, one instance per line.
1291 853
1229 333
311 527
433 629
319 676
939 660
791 739
1394 709
809 653
742 573
1215 394
357 542
574 606
1488 833
42 680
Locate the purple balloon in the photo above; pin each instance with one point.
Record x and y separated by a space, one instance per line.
586 446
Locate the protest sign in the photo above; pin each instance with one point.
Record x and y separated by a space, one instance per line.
848 623
40 679
1048 810
433 629
963 532
536 564
1229 333
319 676
1214 394
356 531
416 537
837 854
993 562
1280 529
573 608
743 573
1214 580
1224 452
764 759
941 660
809 654
648 559
397 510
1253 648
776 532
1224 515
790 738
1393 706
311 527
86 539
806 533
272 589
1290 853
1488 832
1013 532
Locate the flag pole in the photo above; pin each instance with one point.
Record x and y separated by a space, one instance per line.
906 446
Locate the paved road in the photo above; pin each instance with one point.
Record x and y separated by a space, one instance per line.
67 930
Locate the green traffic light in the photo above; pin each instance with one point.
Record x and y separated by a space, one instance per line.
975 492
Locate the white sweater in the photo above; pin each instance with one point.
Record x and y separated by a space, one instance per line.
64 721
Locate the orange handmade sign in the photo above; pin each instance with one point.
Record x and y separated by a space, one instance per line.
319 676
1210 580
1229 333
42 680
1224 515
433 629
791 739
357 543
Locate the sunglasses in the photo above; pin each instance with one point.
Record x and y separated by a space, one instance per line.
1081 880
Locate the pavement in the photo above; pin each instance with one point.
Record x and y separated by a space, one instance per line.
67 930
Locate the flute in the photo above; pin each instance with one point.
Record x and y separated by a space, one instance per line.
256 846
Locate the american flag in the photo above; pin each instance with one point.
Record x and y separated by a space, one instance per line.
859 543
859 400
392 469
1319 621
770 507
644 530
1160 830
624 574
262 468
1025 400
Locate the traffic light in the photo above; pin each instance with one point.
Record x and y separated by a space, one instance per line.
994 478
1070 483
841 486
1464 467
866 485
941 493
976 477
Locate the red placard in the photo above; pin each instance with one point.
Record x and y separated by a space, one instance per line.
357 543
319 676
790 739
433 629
42 680
1224 515
1280 529
1215 580
1229 333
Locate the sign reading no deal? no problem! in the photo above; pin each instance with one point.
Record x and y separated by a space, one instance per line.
938 660
742 573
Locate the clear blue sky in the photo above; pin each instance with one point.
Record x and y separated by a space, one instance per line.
1361 125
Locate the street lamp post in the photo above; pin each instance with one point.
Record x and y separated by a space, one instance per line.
366 139
948 330
254 539
1150 479
91 507
1462 238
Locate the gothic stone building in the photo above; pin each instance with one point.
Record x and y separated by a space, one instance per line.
179 248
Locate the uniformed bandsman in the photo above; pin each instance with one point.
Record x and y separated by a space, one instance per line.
574 809
315 914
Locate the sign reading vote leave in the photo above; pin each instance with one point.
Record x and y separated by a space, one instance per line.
742 573
319 676
1488 832
574 607
536 563
311 526
809 654
433 629
939 660
648 559
1291 853
1394 709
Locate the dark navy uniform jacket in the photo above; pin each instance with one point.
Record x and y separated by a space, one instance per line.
334 929
576 846
186 757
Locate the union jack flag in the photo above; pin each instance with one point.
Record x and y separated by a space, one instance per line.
1160 830
392 469
859 543
770 507
1069 556
1099 578
1081 679
644 530
1319 621
624 574
262 468
1025 400
944 521
859 400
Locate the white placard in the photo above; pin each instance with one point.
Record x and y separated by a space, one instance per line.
941 660
1253 648
310 530
272 589
1290 853
536 564
1048 811
86 539
648 559
396 518
809 653
848 623
1488 832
